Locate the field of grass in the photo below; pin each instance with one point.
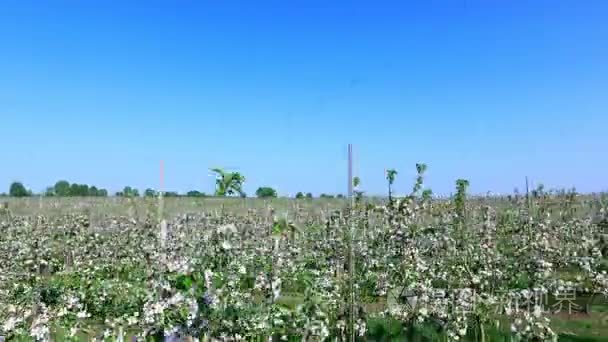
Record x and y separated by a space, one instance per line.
411 268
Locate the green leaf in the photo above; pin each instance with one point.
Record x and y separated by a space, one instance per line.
279 226
184 282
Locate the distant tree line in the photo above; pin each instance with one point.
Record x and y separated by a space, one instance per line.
300 195
308 195
64 188
227 183
60 189
193 193
127 192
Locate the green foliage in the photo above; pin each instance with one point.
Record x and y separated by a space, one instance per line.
130 192
390 177
62 188
420 170
17 189
50 191
150 193
460 198
308 195
265 192
183 282
427 194
79 190
93 191
228 183
356 191
299 195
194 193
279 226
326 196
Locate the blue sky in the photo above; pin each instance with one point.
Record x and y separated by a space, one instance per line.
100 91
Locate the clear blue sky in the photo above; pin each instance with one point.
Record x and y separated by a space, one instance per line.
99 91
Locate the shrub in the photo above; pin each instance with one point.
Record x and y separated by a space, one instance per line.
195 193
264 192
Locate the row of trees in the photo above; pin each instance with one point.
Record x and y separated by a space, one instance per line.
65 189
226 184
61 189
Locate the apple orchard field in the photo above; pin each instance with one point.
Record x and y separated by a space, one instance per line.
409 269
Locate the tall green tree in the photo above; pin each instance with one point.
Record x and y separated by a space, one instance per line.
17 189
62 188
74 189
